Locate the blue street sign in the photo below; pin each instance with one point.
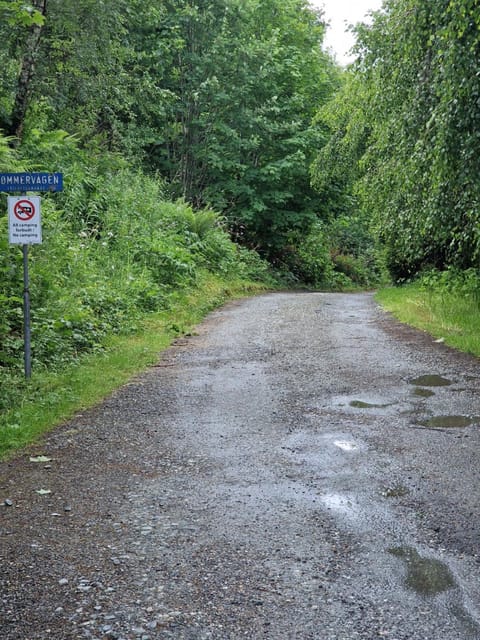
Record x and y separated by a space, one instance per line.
31 182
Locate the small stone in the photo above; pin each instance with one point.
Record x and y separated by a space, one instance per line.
138 631
67 508
8 502
63 581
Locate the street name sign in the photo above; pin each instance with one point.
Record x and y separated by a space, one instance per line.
24 222
11 182
25 228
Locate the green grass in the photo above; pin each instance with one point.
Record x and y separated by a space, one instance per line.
50 399
448 315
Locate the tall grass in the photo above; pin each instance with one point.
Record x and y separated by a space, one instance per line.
444 304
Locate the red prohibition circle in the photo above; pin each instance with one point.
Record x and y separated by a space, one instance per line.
24 210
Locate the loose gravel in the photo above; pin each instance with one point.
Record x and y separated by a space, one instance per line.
277 475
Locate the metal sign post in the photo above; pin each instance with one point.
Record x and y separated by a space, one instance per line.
27 329
25 228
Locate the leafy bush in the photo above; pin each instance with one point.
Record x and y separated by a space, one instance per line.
252 267
114 249
315 265
306 259
454 282
351 267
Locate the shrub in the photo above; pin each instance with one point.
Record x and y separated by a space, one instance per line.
306 259
113 250
351 267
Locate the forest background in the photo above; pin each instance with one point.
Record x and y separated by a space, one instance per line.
215 141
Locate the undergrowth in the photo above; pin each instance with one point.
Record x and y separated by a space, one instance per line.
115 251
445 304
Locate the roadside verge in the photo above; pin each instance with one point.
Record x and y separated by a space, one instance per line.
51 398
450 316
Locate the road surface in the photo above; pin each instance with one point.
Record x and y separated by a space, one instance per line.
302 467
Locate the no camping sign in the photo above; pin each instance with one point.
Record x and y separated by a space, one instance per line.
24 220
25 228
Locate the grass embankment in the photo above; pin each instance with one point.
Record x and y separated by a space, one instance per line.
49 399
448 313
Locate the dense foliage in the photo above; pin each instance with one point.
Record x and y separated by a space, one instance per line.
405 142
161 113
177 125
114 248
216 97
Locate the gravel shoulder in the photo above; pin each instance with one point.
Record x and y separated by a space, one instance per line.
287 472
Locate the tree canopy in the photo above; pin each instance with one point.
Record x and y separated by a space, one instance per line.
404 133
216 98
233 105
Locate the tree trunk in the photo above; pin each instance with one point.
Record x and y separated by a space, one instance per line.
26 75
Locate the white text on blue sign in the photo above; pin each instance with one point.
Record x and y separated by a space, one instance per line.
31 182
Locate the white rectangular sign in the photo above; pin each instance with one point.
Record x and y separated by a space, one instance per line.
24 220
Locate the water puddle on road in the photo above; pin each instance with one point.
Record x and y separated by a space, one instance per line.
345 445
432 380
341 504
425 576
360 404
368 404
423 393
449 422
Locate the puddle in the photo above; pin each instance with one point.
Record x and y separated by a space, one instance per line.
449 422
423 393
425 576
431 381
360 404
345 445
341 504
395 492
374 403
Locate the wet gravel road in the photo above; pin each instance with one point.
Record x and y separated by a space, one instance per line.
303 467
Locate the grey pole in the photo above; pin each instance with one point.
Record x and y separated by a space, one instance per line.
26 315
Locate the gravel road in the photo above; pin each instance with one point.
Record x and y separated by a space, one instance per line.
302 467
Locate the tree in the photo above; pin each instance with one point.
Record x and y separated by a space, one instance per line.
416 172
32 19
216 98
245 82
